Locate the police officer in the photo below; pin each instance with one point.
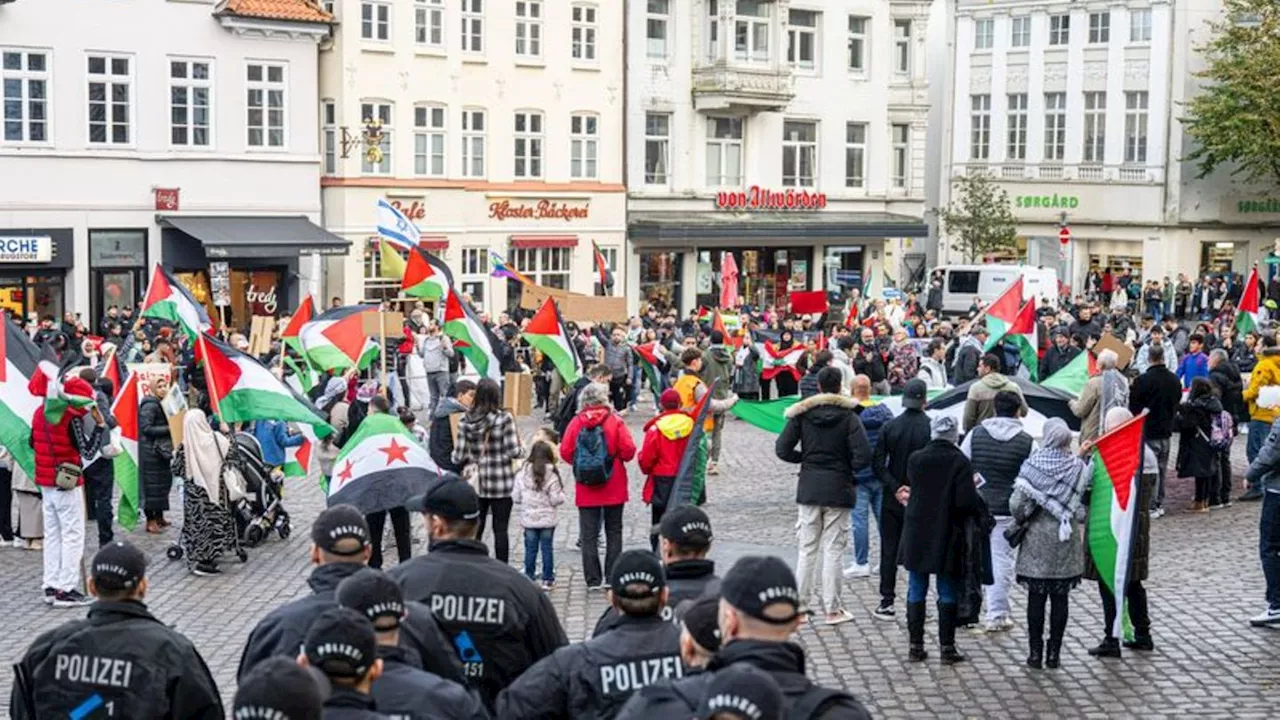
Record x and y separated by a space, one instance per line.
700 633
405 690
340 548
500 623
684 542
341 644
759 611
742 692
278 688
119 662
594 678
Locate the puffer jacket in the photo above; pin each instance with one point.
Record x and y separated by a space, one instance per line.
55 444
717 364
1196 458
538 507
980 404
618 441
826 438
1266 372
618 358
665 440
873 416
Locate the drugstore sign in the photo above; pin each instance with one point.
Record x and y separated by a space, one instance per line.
25 248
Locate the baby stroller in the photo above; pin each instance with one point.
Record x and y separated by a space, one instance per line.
260 511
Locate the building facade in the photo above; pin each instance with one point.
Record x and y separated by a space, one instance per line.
187 134
502 126
789 133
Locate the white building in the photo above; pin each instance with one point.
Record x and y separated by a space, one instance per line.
502 123
790 133
154 130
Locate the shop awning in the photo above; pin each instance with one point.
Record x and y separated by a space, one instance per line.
687 229
238 236
435 243
544 241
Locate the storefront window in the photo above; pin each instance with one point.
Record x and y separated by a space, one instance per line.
660 280
475 275
117 262
32 297
257 292
842 272
548 267
766 276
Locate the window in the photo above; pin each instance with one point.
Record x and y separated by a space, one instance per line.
713 30
657 21
724 152
545 266
378 111
528 145
584 147
1017 149
1099 28
901 136
802 39
473 135
265 105
428 23
25 77
751 30
1140 25
429 138
857 44
902 47
1055 126
657 147
473 26
475 274
980 127
984 33
1095 126
799 153
584 32
1135 127
375 20
1020 31
189 89
855 154
110 99
329 136
328 6
1059 29
528 28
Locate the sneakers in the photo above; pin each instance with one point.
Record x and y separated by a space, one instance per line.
1000 624
857 571
1267 618
884 612
205 570
49 594
548 585
1251 495
1157 513
713 469
70 599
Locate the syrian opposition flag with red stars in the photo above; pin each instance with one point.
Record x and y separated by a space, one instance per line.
426 276
335 339
242 389
167 299
381 467
774 361
1113 508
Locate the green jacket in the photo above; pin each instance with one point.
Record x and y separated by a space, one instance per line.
717 364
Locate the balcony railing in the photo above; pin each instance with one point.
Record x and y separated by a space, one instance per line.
741 87
1055 171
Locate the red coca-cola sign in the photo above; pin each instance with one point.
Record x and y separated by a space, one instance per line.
756 198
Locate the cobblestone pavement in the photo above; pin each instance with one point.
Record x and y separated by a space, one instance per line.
1205 583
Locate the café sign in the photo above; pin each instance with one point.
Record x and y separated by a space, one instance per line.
25 248
756 198
540 210
414 210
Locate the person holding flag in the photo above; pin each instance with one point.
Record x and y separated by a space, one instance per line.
691 389
203 460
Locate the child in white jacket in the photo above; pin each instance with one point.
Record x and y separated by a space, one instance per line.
539 491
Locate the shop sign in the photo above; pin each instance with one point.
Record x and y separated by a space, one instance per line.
1052 202
261 293
25 248
415 210
758 198
541 210
220 283
1261 206
167 199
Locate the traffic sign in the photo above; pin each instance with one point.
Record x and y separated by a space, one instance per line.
1064 235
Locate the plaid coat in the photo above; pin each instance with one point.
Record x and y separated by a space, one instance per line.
491 443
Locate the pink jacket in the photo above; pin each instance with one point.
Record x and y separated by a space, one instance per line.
538 507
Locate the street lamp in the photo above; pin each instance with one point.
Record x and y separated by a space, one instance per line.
370 138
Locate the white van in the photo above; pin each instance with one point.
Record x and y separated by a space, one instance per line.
962 283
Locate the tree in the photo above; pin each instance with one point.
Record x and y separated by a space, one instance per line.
1235 119
979 221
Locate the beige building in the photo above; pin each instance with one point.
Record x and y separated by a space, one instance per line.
502 131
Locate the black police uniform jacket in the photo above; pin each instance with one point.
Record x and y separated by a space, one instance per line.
783 661
498 621
592 680
345 704
119 661
282 631
687 580
407 691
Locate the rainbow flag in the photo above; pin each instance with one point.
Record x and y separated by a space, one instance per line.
503 270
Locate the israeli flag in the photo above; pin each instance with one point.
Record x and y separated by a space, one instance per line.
395 227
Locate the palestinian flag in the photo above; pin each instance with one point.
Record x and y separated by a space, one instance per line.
704 314
1073 376
297 460
1113 508
111 371
774 361
691 476
471 337
1023 333
851 316
335 339
602 267
302 375
654 365
304 314
1247 317
426 276
381 467
771 415
125 411
547 333
1002 313
17 403
242 389
167 299
731 338
47 383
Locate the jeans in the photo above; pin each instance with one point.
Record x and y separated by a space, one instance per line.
870 499
1258 431
589 520
1161 450
717 428
1002 558
536 539
1269 545
99 482
918 588
399 526
438 384
824 529
501 508
63 537
637 376
1156 311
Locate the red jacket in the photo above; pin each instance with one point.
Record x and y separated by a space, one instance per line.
665 439
617 438
53 445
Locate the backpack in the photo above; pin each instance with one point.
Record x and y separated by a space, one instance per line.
1222 431
592 463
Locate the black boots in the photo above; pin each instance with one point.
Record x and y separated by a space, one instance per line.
1108 648
947 634
1035 659
1142 643
1053 654
915 631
